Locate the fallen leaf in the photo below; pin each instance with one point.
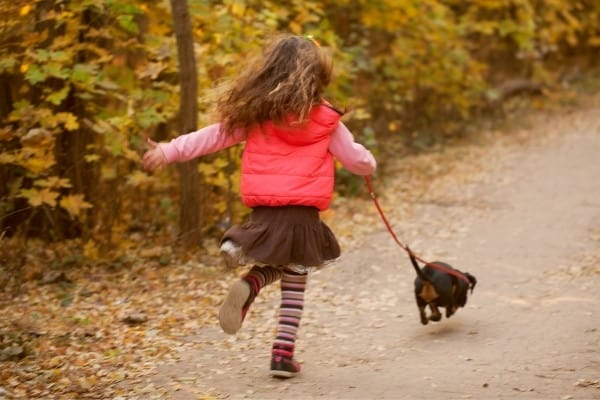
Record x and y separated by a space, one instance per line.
135 318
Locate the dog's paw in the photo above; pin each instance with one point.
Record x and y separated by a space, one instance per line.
435 317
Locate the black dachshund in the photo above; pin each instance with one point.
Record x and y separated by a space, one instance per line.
435 288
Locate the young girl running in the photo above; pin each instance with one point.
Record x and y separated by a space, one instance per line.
292 136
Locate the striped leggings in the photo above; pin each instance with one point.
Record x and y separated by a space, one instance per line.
293 286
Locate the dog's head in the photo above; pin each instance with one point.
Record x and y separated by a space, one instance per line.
460 295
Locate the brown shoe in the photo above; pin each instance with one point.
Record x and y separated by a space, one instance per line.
232 311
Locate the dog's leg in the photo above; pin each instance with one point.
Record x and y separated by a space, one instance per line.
436 315
421 305
451 306
424 319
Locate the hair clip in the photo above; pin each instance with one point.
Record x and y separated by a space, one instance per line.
312 39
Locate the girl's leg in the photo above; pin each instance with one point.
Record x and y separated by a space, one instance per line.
290 313
242 293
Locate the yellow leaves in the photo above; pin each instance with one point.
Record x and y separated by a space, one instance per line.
53 182
207 169
58 96
295 27
47 191
493 4
74 204
36 154
7 158
238 8
68 120
392 16
92 158
37 197
138 178
594 41
34 159
87 382
108 172
361 114
393 126
25 10
55 362
90 250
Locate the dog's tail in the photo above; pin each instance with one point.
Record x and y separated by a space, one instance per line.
418 269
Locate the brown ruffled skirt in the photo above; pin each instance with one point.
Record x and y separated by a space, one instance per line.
285 236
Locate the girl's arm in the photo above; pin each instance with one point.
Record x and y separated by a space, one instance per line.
186 147
353 156
207 140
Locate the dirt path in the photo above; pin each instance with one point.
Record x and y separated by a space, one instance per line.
525 222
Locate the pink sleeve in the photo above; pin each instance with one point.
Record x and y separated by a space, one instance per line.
353 156
207 140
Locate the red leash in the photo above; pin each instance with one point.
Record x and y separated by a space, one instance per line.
403 246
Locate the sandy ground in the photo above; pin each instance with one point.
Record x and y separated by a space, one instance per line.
525 222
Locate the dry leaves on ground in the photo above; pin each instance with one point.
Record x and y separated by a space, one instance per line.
76 334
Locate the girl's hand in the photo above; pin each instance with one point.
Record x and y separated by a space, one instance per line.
154 158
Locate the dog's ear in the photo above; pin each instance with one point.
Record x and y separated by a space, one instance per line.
471 279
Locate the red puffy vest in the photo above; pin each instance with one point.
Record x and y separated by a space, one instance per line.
290 165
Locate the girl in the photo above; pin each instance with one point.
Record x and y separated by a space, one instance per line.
291 139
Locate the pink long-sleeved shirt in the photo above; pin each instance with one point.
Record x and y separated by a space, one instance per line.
352 155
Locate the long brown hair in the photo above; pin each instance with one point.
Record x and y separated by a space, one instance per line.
286 81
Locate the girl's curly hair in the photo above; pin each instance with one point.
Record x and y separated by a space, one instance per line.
287 81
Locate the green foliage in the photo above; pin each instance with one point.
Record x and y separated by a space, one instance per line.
72 70
84 82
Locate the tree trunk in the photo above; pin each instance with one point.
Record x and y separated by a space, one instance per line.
189 179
